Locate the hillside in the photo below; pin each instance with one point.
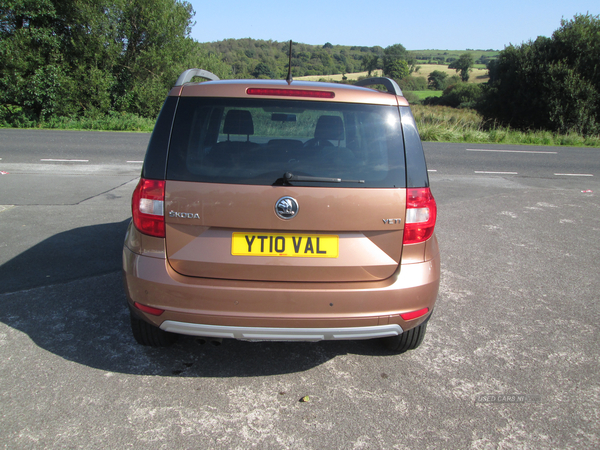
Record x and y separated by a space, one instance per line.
269 59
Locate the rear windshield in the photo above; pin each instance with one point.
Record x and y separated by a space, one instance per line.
262 142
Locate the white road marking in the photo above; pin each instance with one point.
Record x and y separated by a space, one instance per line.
136 162
510 151
431 170
65 160
120 169
574 174
496 173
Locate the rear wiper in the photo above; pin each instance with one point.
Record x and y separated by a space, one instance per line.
288 177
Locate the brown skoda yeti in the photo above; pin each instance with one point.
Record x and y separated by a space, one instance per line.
283 210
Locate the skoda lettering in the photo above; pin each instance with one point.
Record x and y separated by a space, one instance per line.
183 215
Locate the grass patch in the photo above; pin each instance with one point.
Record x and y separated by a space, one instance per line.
445 124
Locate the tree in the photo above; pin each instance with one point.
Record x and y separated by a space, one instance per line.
369 63
437 80
398 69
550 83
33 79
89 57
463 65
155 47
394 53
262 70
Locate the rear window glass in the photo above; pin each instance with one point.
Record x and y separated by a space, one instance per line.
243 141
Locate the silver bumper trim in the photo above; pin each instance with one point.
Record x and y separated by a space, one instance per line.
281 334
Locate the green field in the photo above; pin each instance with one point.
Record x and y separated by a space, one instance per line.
424 94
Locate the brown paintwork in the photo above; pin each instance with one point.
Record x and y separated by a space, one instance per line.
237 88
153 282
143 244
202 246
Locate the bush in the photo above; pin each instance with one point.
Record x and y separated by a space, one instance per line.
438 80
460 95
16 117
411 83
413 99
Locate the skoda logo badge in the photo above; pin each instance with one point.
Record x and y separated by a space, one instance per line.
286 208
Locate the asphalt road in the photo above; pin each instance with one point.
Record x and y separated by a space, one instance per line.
510 358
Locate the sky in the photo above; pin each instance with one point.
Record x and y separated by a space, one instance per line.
417 25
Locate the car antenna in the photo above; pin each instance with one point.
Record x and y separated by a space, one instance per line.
289 75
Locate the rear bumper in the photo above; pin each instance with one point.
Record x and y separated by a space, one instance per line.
281 334
278 310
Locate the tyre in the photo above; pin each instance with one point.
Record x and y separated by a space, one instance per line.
149 335
409 340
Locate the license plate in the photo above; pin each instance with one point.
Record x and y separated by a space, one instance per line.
274 244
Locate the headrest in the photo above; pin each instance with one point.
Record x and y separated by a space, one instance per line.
330 128
238 122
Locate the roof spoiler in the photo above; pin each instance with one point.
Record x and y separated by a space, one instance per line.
391 86
187 75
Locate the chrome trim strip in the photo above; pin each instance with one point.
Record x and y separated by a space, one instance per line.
281 334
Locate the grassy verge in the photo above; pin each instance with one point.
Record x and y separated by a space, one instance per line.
445 124
109 122
436 124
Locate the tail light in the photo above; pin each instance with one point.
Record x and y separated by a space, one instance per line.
148 309
414 314
421 213
148 207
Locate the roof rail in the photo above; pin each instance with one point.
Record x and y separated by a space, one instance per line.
391 86
187 75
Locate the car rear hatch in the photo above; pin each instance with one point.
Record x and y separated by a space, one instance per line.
285 190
